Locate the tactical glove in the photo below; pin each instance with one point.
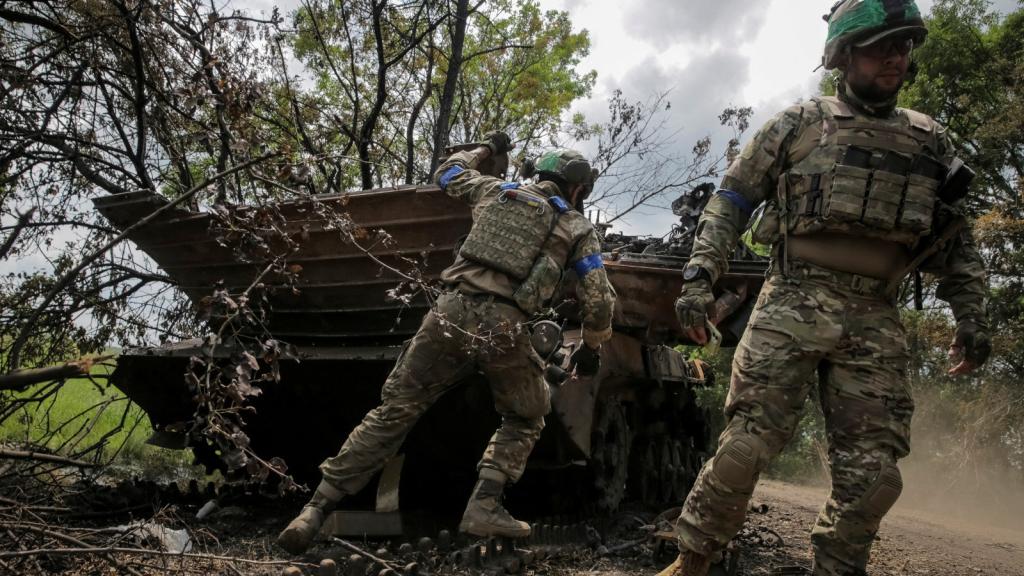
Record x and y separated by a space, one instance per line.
586 360
973 341
693 304
498 141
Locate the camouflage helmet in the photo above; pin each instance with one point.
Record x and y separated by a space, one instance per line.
863 22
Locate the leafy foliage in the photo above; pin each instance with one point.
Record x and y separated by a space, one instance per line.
377 69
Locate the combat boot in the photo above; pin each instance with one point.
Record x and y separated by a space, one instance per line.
300 532
485 516
688 564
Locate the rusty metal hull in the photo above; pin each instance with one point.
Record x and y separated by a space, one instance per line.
343 288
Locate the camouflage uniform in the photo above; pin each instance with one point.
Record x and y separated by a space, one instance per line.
813 318
478 326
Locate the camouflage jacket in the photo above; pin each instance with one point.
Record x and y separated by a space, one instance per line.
573 244
786 140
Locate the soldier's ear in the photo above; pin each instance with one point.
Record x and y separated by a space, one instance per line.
912 71
576 196
843 61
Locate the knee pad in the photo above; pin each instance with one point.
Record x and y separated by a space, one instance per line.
883 492
738 461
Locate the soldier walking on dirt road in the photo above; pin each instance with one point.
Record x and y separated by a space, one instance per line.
859 193
523 238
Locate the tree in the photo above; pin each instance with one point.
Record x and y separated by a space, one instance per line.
637 157
519 73
449 72
105 99
970 78
356 49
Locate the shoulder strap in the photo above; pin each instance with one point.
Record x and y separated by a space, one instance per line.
835 107
919 120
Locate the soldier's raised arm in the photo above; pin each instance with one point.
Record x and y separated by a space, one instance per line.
458 175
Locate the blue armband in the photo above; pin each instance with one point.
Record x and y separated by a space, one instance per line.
586 265
448 175
510 186
559 203
738 200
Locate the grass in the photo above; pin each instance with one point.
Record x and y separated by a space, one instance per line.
87 412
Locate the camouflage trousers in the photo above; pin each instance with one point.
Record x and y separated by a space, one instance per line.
464 335
812 321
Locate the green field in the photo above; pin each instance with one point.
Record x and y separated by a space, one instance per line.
83 413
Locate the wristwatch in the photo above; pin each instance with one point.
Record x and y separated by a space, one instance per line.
691 273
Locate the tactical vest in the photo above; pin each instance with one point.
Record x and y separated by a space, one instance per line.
867 176
510 232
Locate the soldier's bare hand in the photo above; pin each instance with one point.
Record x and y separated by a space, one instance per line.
964 367
698 335
970 349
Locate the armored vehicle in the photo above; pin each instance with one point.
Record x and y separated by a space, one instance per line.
633 431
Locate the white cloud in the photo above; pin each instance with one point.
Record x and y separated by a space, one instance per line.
665 23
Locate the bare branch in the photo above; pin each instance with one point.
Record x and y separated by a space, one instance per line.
23 222
69 277
43 457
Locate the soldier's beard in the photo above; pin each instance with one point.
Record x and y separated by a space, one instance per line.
872 93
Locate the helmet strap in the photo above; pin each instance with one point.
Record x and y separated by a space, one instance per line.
580 195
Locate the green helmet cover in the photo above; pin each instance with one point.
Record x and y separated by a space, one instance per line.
853 21
568 165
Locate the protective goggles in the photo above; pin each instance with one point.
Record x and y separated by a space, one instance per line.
899 45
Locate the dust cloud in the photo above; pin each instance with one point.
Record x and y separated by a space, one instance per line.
960 473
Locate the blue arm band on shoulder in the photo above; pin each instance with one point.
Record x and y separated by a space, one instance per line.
510 186
738 200
586 265
448 175
559 203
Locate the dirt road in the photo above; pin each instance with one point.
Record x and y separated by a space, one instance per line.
911 541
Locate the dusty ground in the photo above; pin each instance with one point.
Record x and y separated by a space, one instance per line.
912 541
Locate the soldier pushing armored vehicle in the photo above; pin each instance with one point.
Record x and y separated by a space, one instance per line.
523 237
859 193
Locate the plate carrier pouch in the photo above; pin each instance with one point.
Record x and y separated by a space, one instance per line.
870 177
511 231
